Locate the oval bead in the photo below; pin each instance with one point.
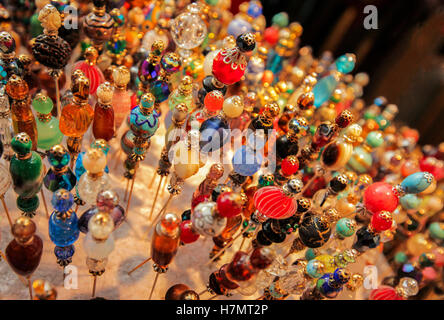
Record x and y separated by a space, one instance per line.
417 182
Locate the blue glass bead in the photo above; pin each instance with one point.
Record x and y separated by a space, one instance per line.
417 182
436 230
345 227
238 27
310 254
254 9
323 89
340 276
64 253
345 63
63 232
170 63
160 90
312 269
146 125
54 181
246 161
62 200
274 62
410 201
214 133
59 160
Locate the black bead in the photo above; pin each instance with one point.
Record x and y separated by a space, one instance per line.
365 240
337 185
186 215
246 42
330 154
262 239
314 232
285 147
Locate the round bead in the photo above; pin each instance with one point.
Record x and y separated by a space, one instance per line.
246 161
233 106
401 257
409 286
62 200
271 35
374 139
188 29
410 201
266 198
382 221
21 144
315 268
380 196
7 43
42 104
206 221
314 231
94 161
436 230
290 165
346 63
246 42
229 204
170 62
187 235
237 26
345 227
100 226
214 133
58 157
214 101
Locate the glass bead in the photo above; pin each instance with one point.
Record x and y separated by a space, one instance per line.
206 221
436 230
280 19
324 89
233 107
374 139
76 119
62 200
63 232
214 101
410 201
48 133
208 62
160 90
238 26
365 240
64 253
188 30
315 268
148 72
314 232
289 166
153 35
98 250
229 204
214 133
246 161
384 293
266 198
380 196
345 63
89 188
360 160
24 260
170 62
92 72
401 257
232 72
409 286
144 125
187 235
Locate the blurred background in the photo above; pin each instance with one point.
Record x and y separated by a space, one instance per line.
404 57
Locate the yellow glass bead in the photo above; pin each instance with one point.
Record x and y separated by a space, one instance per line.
418 244
94 161
328 261
233 107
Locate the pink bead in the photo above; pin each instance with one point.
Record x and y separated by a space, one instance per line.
380 196
273 203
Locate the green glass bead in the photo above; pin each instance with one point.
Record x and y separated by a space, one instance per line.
212 2
48 134
36 28
345 227
42 104
280 19
410 201
28 204
400 257
375 139
436 230
310 254
382 122
21 144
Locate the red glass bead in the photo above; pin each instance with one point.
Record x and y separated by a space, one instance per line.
432 165
92 72
382 221
380 196
271 35
187 235
273 203
229 66
289 165
199 199
134 101
229 204
385 293
214 101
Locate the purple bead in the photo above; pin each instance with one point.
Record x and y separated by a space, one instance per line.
118 215
148 72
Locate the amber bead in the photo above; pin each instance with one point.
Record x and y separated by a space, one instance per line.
24 258
103 124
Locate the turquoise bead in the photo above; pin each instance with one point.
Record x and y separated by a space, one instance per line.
310 254
400 257
323 89
417 182
345 63
146 125
410 201
313 269
345 227
436 230
382 122
374 139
